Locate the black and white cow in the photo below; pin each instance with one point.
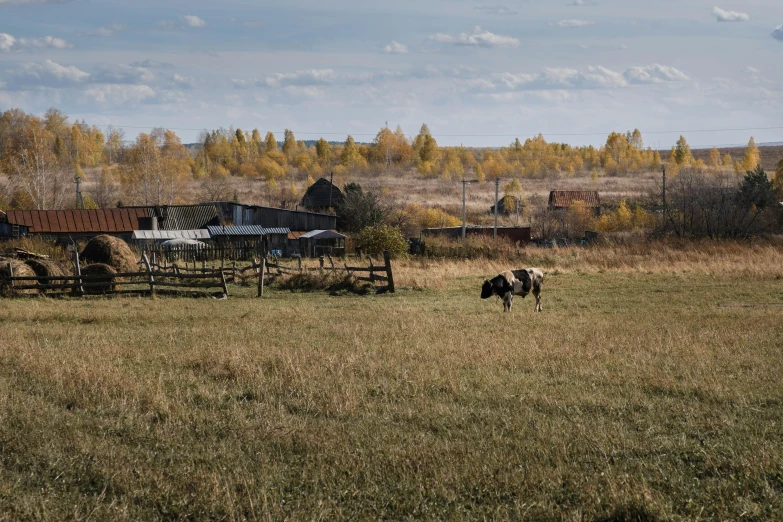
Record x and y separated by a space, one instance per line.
514 282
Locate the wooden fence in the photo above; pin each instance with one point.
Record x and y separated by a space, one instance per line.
233 251
375 273
148 282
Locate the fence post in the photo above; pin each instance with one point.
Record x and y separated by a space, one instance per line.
149 271
78 283
389 276
331 261
372 274
321 262
223 280
261 276
11 277
300 263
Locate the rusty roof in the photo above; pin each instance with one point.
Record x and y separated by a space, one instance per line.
110 220
566 198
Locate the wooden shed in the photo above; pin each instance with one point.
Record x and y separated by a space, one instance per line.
321 195
564 199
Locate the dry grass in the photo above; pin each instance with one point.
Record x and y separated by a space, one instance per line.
634 396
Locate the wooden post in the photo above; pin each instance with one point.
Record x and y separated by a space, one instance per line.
11 277
321 262
371 270
223 280
300 263
331 261
389 276
261 277
234 271
149 271
78 284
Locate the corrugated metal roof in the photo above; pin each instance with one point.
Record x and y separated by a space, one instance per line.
242 230
171 234
322 234
182 217
566 198
108 220
276 230
246 230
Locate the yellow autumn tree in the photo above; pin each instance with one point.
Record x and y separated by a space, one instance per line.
752 157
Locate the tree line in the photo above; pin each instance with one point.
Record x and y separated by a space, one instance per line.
41 156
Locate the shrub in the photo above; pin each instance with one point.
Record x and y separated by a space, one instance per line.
374 240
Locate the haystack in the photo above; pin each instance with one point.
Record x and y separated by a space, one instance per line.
110 251
20 270
98 278
45 267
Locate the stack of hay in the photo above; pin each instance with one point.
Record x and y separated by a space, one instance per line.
19 269
110 251
98 278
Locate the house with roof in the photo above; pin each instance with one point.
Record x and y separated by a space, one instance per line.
562 200
322 195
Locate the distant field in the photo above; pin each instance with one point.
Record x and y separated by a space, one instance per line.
650 387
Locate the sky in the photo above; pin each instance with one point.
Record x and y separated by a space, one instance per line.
477 72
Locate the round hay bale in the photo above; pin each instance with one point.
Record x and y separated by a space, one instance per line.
98 278
110 251
44 267
19 270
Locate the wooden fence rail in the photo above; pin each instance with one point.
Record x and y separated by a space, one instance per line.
150 280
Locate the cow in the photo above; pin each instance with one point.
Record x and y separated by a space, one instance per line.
514 282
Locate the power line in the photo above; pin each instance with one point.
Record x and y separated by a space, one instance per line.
303 133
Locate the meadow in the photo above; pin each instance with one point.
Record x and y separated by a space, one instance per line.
648 389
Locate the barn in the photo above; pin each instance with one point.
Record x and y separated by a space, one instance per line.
506 205
64 225
564 199
322 195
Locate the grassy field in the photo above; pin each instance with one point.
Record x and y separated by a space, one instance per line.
649 389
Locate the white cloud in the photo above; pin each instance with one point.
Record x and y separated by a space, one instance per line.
47 74
499 10
193 21
574 23
114 94
152 64
729 16
396 48
777 34
104 31
654 73
563 79
168 25
121 73
11 43
478 38
185 82
579 3
6 42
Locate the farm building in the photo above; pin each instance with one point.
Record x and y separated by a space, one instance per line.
64 225
317 243
156 237
180 217
564 199
322 195
520 234
506 205
238 214
275 238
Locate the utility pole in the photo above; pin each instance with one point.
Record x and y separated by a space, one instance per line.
464 215
79 199
495 230
663 168
331 187
388 151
